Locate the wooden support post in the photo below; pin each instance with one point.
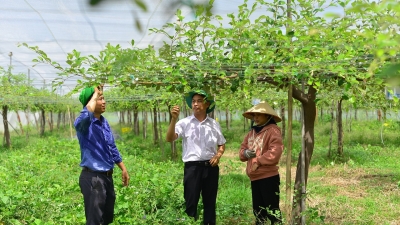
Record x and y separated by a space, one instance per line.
70 122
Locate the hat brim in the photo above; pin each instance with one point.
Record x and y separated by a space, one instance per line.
189 97
263 108
249 115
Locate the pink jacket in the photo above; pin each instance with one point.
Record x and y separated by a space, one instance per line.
268 146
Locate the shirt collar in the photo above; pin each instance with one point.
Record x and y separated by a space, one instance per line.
194 118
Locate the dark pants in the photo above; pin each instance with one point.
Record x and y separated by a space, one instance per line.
201 178
265 195
98 196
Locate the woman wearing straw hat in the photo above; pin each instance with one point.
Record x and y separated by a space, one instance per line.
202 147
262 148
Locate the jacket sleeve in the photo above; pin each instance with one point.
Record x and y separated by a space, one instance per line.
83 121
115 153
243 147
113 148
272 149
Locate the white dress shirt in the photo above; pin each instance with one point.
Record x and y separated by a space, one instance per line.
199 139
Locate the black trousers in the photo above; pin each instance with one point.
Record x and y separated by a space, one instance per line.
265 195
98 196
201 178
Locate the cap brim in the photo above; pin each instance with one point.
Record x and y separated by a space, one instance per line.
211 107
189 97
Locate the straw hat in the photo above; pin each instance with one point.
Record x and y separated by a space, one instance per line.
264 108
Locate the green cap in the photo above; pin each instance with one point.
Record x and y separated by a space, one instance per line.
189 97
86 95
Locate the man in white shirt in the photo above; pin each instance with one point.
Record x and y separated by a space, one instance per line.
202 147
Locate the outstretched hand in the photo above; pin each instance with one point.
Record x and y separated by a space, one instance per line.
175 112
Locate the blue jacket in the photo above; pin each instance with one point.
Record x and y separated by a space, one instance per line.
98 149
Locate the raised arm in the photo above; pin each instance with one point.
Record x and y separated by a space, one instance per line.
171 135
98 92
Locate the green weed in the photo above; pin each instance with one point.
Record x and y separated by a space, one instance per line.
39 179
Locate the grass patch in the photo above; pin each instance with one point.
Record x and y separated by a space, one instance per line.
39 179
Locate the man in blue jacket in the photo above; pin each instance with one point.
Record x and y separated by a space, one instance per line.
98 156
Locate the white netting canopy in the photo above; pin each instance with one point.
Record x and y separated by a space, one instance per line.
59 26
